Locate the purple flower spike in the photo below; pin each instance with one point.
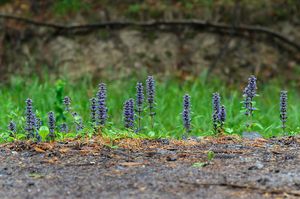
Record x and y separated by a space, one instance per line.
248 94
186 113
102 109
150 90
139 102
67 103
283 109
30 119
222 115
129 114
216 103
219 113
51 123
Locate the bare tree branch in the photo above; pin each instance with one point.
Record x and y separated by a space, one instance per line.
241 30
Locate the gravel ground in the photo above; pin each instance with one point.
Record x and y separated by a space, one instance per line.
152 169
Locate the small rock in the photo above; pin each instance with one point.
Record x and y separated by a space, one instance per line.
251 135
171 158
29 184
164 141
258 165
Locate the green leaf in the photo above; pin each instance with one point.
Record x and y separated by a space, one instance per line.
151 134
44 132
200 164
20 136
258 125
210 155
229 130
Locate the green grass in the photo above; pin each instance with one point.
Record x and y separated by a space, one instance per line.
168 121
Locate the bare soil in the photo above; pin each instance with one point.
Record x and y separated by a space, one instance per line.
151 169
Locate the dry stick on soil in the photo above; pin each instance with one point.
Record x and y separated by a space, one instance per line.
239 186
241 30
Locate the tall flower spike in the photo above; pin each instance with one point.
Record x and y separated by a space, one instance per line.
30 119
51 123
186 113
139 102
222 115
216 102
150 90
249 94
129 113
67 103
102 109
93 108
283 109
12 127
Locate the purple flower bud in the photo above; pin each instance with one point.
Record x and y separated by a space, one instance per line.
102 109
283 108
51 124
12 127
129 114
67 103
64 128
186 113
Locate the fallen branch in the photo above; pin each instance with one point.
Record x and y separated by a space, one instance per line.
241 30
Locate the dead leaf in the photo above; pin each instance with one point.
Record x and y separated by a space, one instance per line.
37 149
64 150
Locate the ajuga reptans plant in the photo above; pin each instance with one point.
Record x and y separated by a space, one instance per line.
128 112
64 128
219 113
102 109
51 124
12 127
67 103
186 113
283 109
139 104
30 119
150 90
249 93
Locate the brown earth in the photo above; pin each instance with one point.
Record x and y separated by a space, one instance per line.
152 169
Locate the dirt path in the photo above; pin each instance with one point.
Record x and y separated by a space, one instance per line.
152 169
